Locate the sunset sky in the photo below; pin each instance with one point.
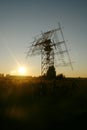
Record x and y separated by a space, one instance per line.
22 20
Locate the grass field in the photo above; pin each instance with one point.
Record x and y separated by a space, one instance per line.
35 103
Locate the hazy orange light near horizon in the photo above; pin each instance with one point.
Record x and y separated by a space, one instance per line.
21 70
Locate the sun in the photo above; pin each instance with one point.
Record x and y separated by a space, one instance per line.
22 70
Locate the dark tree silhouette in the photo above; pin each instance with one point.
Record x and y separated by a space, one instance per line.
60 76
51 73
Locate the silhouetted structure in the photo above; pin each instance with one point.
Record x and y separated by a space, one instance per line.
50 44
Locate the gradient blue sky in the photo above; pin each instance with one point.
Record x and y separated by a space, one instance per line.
21 20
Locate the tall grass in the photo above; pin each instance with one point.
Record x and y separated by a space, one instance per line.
43 104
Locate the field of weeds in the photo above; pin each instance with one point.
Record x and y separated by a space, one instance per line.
35 103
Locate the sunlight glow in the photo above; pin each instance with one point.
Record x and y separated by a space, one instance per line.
22 70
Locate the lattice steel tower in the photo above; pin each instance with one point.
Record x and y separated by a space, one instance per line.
50 44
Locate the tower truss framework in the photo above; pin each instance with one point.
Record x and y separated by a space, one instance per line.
49 45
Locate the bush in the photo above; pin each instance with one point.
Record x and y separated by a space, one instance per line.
51 73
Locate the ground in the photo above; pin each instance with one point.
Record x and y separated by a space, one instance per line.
35 103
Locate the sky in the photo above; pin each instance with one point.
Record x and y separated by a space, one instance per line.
22 20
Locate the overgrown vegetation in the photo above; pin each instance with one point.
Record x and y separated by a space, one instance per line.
36 103
51 73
